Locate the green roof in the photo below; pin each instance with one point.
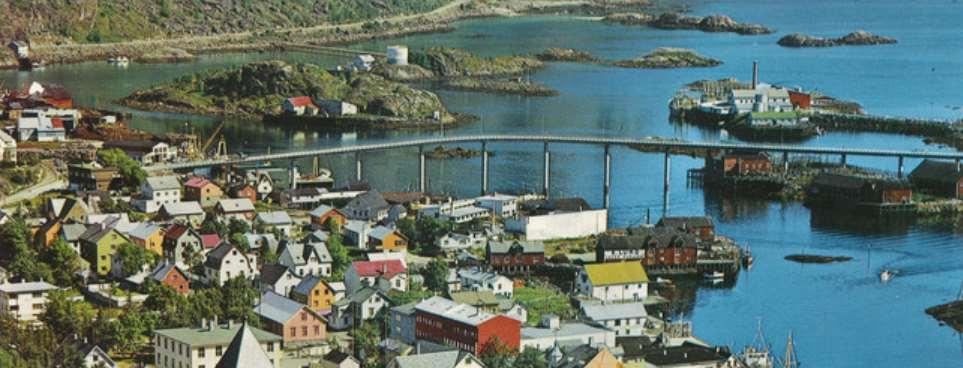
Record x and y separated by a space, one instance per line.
773 115
222 335
475 298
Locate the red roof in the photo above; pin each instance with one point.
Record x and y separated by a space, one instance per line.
387 268
176 231
197 182
301 101
210 241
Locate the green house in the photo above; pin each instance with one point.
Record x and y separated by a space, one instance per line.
98 245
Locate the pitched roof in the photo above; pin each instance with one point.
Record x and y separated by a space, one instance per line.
616 273
277 308
72 232
233 205
163 182
275 218
607 311
938 171
380 232
687 353
197 182
685 221
163 269
337 356
244 351
272 272
321 210
209 241
387 268
299 101
182 208
307 284
444 359
23 287
368 202
144 230
176 231
216 256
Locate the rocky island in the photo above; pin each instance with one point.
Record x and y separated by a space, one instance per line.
668 57
259 89
858 38
711 23
566 55
513 86
950 313
813 258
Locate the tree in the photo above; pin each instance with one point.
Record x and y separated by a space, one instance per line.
531 358
235 226
27 265
436 275
133 258
172 309
129 169
67 316
339 254
213 225
240 241
237 300
495 354
366 340
63 261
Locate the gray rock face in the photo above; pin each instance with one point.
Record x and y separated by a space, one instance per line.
858 38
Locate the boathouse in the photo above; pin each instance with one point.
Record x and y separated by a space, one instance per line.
939 178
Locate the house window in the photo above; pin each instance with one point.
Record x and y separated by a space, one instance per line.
218 351
304 330
294 331
270 347
200 352
317 330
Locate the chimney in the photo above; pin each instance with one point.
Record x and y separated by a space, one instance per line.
755 73
203 322
214 324
230 324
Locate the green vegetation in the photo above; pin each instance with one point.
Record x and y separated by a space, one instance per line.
570 246
540 300
436 275
566 54
112 21
259 88
129 169
422 233
668 57
133 258
513 87
415 293
451 62
339 253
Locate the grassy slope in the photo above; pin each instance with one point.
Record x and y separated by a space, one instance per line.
110 21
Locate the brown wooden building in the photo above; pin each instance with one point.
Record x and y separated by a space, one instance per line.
515 256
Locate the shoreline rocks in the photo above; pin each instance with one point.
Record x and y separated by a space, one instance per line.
513 86
711 23
858 38
950 313
442 152
566 55
668 57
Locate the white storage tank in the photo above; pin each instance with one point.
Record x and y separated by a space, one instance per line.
398 55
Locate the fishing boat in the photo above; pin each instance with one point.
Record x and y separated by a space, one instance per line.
757 355
747 258
714 276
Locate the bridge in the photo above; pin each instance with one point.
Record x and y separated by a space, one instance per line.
649 144
338 51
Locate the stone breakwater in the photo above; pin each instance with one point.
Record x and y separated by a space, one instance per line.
933 131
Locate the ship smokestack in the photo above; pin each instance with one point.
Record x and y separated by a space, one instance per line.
755 74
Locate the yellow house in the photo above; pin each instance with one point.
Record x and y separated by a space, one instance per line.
150 236
98 246
387 239
604 359
315 293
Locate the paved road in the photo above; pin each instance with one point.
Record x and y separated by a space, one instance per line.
656 144
36 190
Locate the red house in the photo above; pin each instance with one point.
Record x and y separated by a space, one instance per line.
244 191
746 164
800 100
515 256
173 277
464 327
669 248
701 226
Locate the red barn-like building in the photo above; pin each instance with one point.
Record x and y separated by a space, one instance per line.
800 100
700 226
515 256
464 327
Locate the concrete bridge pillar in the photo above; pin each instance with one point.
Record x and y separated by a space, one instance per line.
422 171
607 177
785 162
546 170
484 168
842 160
957 165
899 168
357 164
667 170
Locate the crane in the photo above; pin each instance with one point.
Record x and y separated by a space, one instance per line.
196 150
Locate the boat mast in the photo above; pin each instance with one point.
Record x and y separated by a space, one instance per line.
790 361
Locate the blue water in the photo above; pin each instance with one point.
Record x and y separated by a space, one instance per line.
840 314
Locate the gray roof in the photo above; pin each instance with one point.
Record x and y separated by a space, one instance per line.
275 218
603 312
298 254
183 208
217 255
316 237
236 205
244 351
368 203
304 287
72 232
256 241
272 272
277 308
220 335
160 272
524 246
26 287
444 359
321 210
458 312
163 182
144 230
406 309
380 232
565 331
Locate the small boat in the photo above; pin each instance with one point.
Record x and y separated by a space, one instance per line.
715 276
886 275
37 65
663 281
747 258
119 60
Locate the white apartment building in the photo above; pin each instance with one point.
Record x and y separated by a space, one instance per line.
24 300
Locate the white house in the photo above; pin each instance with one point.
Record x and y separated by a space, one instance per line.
363 62
623 319
452 242
236 208
460 211
34 125
24 300
502 205
95 357
279 220
158 191
188 213
614 281
478 280
356 232
205 346
551 331
278 278
306 259
442 359
560 225
8 148
367 301
226 262
764 98
367 273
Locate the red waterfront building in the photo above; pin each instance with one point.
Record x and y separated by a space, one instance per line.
464 327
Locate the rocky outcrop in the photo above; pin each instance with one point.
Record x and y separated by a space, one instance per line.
450 62
858 38
514 86
712 23
667 57
629 19
566 54
442 152
813 258
259 88
950 313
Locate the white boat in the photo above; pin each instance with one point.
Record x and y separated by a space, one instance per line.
119 60
714 276
663 281
886 275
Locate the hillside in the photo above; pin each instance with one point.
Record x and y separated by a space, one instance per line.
259 88
93 21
